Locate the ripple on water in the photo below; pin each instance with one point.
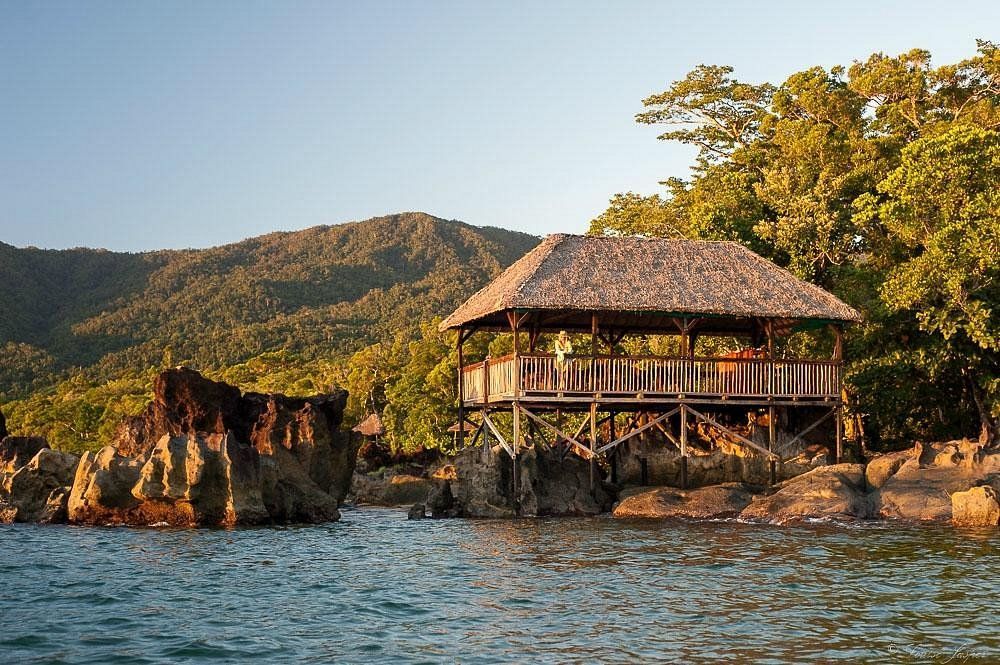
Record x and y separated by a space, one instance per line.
376 587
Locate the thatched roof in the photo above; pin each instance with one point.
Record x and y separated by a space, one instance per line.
642 282
370 426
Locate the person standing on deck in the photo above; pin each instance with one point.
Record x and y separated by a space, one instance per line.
562 348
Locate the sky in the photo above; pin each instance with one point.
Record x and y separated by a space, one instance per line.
146 125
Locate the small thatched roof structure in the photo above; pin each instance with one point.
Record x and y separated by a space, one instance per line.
370 426
644 284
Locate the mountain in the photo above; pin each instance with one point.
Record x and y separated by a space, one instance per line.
327 288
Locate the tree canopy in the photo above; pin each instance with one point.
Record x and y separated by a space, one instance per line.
879 181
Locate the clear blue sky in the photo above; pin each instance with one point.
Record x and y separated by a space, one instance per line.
139 125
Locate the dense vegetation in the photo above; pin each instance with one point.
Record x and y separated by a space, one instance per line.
880 182
83 331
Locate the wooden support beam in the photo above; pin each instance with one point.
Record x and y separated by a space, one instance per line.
493 428
819 421
516 412
614 455
461 390
593 434
739 437
684 446
580 448
770 445
840 433
637 431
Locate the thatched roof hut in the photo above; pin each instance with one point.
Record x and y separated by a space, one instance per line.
370 426
645 284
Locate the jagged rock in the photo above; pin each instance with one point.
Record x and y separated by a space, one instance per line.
32 486
835 491
54 511
16 451
102 488
881 468
978 506
715 501
390 488
194 480
185 402
548 484
210 455
441 501
417 512
922 486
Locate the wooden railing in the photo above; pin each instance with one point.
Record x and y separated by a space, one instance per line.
541 374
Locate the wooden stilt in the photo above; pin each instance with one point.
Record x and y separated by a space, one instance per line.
460 439
614 452
517 437
770 444
593 446
840 433
684 447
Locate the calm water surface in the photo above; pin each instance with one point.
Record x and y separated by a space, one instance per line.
375 587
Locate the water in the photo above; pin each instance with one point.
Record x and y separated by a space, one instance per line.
375 587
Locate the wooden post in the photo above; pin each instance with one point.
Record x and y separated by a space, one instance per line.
838 355
840 432
614 453
593 352
684 447
770 445
514 327
517 435
593 445
461 391
593 404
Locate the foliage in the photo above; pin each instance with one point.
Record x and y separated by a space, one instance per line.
877 181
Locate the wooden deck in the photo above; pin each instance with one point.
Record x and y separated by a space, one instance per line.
539 378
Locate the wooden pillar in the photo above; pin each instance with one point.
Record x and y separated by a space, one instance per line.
460 438
593 404
514 327
593 445
516 412
770 445
684 447
838 454
838 355
614 451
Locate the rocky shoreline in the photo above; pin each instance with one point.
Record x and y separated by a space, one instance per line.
205 454
202 453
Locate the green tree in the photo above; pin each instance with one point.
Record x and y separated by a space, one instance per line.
942 206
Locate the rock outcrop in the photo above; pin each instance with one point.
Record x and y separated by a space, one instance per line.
202 453
548 484
712 502
979 506
16 451
828 492
34 489
918 484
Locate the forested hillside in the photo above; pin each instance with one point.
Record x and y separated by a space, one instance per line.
81 329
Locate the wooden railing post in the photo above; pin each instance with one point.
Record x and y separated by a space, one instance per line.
486 380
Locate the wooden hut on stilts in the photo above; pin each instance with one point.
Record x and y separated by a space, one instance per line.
610 288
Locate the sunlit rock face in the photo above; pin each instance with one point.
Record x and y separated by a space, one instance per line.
203 453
